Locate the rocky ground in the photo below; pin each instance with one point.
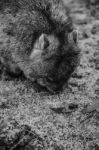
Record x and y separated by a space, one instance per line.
40 121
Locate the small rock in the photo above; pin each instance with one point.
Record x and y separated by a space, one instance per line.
97 82
97 65
94 2
86 34
93 107
95 28
97 92
96 61
66 108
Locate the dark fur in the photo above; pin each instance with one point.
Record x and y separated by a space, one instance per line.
22 22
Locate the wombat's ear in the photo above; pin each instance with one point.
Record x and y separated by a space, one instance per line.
75 36
43 40
72 37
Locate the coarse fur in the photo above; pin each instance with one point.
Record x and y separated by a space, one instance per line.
34 40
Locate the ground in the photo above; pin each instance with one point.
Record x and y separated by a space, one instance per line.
40 121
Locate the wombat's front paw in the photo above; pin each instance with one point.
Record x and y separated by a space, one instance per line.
49 84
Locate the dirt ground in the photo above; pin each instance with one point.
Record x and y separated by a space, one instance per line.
40 121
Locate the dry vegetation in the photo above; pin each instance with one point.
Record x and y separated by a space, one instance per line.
40 121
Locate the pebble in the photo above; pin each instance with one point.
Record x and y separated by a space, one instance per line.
95 28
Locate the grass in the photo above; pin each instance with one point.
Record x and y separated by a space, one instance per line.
21 105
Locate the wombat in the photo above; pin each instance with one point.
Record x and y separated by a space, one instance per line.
34 40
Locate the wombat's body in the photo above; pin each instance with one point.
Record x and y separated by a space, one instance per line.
34 40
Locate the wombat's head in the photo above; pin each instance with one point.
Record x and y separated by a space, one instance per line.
54 63
44 56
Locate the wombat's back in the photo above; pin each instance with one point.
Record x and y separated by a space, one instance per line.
18 33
